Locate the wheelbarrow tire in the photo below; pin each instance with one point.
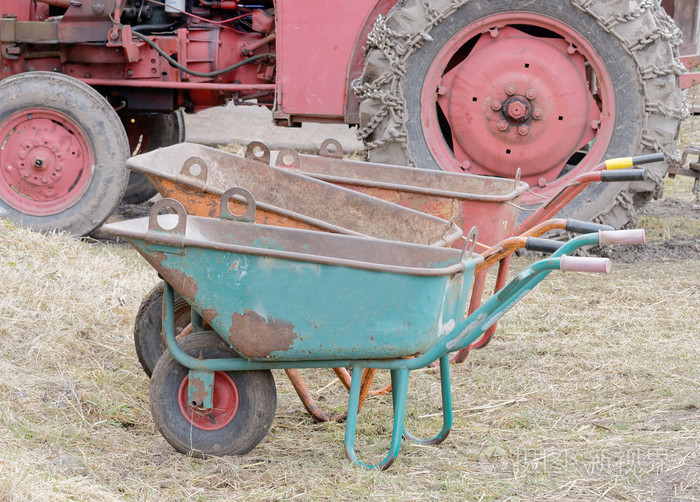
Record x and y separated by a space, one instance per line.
149 338
147 132
631 47
240 429
62 161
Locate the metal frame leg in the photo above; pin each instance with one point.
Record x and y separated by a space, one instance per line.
399 390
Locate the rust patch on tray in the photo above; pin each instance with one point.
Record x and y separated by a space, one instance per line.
254 336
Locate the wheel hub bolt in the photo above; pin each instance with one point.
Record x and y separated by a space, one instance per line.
496 105
542 182
531 94
442 90
502 125
537 114
517 109
595 124
466 165
523 130
511 89
45 180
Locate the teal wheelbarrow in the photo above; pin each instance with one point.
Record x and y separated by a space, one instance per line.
278 298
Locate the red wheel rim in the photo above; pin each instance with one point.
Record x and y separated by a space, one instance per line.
225 404
47 161
518 90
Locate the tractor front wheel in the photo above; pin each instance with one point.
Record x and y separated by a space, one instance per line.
62 153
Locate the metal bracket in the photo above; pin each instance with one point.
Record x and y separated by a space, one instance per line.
200 389
10 49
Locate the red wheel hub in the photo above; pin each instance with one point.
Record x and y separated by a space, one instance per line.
46 161
225 401
518 91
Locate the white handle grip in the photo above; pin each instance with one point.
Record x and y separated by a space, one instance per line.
585 264
634 236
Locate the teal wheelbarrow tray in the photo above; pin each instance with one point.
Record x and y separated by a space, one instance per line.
281 298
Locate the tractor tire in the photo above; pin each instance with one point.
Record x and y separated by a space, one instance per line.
147 132
552 88
63 154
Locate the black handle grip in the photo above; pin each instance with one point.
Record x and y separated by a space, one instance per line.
542 245
623 175
647 159
585 227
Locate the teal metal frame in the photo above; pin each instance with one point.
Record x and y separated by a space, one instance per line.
464 333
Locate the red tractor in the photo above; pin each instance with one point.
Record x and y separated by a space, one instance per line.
550 87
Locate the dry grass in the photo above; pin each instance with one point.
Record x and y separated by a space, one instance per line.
590 391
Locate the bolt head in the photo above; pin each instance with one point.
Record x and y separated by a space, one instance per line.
502 125
595 124
523 130
496 105
466 165
537 114
511 89
516 110
531 94
442 90
542 182
45 180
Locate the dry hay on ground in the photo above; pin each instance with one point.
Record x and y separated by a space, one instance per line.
589 391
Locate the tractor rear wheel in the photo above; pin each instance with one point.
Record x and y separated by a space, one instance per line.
62 153
552 88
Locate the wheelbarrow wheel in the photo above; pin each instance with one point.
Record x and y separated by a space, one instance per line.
149 338
244 403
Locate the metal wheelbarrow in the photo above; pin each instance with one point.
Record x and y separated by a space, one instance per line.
489 203
197 176
286 298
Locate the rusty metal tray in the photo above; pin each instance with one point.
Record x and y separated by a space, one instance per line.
197 176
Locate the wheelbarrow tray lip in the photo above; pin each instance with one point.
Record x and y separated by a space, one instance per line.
298 245
151 164
395 177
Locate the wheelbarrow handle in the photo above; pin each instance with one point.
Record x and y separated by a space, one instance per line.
542 245
585 264
633 236
625 162
623 175
585 227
